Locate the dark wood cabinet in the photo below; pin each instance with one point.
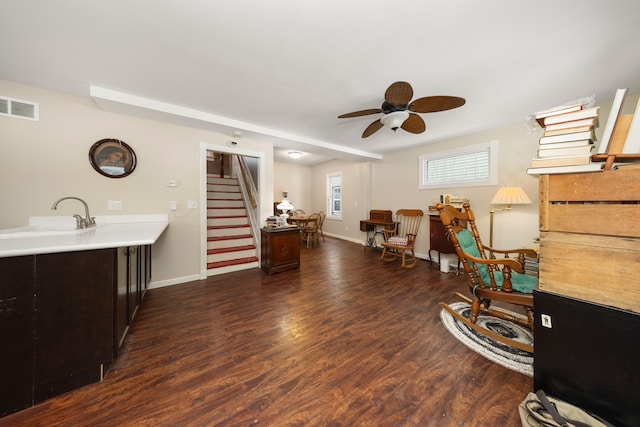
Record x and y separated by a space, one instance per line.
134 274
121 299
16 328
438 238
63 317
280 249
56 323
73 322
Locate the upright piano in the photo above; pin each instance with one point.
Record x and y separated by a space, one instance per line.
378 219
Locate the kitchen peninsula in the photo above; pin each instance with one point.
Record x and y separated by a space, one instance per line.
67 299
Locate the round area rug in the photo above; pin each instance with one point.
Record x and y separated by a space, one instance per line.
507 356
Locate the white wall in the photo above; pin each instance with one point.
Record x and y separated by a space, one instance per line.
296 181
354 197
395 186
47 159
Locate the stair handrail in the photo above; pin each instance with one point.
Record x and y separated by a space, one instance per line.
249 192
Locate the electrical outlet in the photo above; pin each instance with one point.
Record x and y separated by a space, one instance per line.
114 205
192 204
545 319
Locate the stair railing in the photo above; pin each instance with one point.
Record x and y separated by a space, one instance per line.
249 192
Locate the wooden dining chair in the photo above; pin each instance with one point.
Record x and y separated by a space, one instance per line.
310 230
323 215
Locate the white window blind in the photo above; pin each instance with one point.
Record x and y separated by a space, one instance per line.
334 195
469 166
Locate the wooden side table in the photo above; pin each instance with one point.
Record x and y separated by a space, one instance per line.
280 249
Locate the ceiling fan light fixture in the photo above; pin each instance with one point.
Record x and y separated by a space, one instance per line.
395 120
295 154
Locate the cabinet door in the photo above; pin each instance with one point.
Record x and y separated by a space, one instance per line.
73 333
16 332
439 240
146 265
587 354
133 282
280 250
121 308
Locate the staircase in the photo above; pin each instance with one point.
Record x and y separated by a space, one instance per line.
230 243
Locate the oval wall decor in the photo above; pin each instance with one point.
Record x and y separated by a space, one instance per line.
112 158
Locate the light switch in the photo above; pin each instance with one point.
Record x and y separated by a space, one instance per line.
173 205
114 205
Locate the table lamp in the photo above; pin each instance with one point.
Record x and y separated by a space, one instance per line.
506 196
285 206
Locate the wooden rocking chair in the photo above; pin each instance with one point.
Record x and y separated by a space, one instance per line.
402 237
490 277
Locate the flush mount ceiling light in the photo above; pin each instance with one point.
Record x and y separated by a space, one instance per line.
295 154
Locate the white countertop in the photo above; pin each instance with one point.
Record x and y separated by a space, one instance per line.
58 234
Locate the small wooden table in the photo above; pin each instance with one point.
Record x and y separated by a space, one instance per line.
299 221
377 219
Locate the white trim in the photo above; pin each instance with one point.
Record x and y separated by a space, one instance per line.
10 113
112 100
329 196
174 281
492 179
262 185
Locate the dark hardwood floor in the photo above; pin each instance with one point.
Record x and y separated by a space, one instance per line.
347 340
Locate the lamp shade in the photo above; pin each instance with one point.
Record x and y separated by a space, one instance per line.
285 205
511 196
395 120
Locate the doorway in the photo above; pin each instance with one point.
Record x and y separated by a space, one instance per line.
262 199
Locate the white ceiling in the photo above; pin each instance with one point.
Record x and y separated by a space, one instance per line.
285 69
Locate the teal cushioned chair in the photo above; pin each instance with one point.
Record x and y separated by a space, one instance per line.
494 275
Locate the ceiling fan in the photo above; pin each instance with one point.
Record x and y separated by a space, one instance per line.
400 113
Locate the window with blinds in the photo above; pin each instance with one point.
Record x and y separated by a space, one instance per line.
465 167
334 195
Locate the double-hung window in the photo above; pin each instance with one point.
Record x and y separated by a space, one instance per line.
334 195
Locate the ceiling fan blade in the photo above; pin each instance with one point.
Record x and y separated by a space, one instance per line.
372 128
432 104
414 124
360 113
399 93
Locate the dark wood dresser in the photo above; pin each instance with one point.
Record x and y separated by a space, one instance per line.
280 249
438 238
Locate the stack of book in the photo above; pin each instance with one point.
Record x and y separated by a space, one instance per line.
568 140
271 222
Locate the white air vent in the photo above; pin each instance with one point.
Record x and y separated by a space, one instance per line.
18 108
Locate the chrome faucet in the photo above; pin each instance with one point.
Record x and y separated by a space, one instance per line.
87 221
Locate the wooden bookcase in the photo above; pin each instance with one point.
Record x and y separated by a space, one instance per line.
590 236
